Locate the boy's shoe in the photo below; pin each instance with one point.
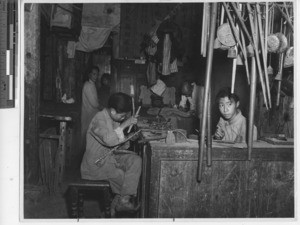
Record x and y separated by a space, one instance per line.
126 204
113 205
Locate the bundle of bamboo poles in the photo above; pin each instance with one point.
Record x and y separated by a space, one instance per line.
261 25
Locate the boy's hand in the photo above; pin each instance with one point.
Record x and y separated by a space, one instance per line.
134 137
192 112
128 122
182 109
219 133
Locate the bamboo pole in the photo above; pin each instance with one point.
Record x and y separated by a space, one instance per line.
266 27
203 28
263 50
243 26
233 74
251 18
233 28
279 74
245 58
209 138
206 89
279 77
285 17
253 84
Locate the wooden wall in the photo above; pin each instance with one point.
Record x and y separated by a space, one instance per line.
32 94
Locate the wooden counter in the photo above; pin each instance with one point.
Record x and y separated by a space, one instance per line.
231 188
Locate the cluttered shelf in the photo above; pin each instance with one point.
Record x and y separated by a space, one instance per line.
52 109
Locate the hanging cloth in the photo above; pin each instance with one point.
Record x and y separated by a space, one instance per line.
166 55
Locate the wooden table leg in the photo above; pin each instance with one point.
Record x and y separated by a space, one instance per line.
74 203
61 152
144 180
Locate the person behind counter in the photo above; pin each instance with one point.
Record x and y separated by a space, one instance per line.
232 125
192 98
90 104
121 170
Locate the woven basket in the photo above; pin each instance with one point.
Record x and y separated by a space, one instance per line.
283 42
250 50
273 43
289 58
225 35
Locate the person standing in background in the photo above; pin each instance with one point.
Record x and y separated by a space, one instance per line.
104 90
90 103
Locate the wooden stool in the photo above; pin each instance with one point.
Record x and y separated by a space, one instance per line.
77 196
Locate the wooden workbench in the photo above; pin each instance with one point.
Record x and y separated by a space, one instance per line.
232 187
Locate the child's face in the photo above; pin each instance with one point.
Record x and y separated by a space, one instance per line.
94 75
228 108
105 82
117 117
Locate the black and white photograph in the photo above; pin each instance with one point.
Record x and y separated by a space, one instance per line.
160 111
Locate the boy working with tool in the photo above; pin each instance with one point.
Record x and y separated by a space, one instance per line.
232 125
105 132
193 94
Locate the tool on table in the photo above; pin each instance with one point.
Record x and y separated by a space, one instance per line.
100 161
136 115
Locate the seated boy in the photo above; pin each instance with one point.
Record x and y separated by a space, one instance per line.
232 124
121 170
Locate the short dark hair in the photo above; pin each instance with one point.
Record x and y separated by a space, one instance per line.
226 92
186 87
121 102
94 68
105 76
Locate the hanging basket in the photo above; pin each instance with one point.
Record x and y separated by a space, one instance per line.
289 58
273 43
232 52
225 35
283 42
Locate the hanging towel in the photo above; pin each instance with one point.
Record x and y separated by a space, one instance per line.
159 87
92 38
166 55
106 15
173 66
71 49
151 73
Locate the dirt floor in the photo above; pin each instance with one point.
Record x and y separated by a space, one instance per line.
39 204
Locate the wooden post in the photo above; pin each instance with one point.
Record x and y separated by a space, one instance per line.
207 87
32 28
